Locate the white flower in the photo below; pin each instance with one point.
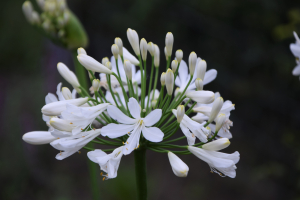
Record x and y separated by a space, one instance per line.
109 163
192 129
133 39
179 168
133 126
221 163
38 137
70 145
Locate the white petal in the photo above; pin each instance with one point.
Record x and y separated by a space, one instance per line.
153 134
130 57
183 72
134 108
190 138
295 50
210 75
153 117
133 140
116 130
96 153
296 70
50 98
119 116
55 108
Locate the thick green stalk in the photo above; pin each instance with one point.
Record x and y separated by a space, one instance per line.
141 173
80 71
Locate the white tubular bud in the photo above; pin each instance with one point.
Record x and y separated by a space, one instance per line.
174 65
199 84
151 48
179 168
133 40
108 65
119 43
220 121
46 25
68 75
81 51
104 60
165 50
217 144
153 103
201 69
27 10
91 64
180 113
35 17
169 81
128 69
192 62
144 48
204 97
115 50
41 4
179 55
156 56
38 137
169 44
55 108
67 94
91 74
61 124
163 78
217 105
96 84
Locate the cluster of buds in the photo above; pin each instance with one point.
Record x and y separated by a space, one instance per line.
127 110
56 22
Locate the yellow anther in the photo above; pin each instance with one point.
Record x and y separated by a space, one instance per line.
101 173
127 142
82 129
58 138
94 129
123 142
71 123
126 149
103 179
79 152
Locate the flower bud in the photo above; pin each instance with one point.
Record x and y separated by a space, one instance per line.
91 64
119 43
199 84
217 144
38 137
55 108
27 10
81 51
61 124
68 75
91 74
156 56
174 65
151 48
192 63
180 113
144 48
220 121
179 168
35 17
108 65
130 57
96 84
179 55
201 69
115 50
204 97
165 50
66 93
104 61
169 44
41 3
133 40
153 103
163 78
169 81
217 105
128 69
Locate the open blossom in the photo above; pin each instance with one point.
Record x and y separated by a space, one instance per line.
133 126
109 163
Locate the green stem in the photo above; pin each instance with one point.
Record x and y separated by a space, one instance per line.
80 71
141 173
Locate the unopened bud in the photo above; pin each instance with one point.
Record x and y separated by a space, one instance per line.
179 168
81 51
108 65
156 56
96 84
128 69
66 93
217 105
192 63
67 74
133 40
91 75
163 78
151 48
174 65
104 60
180 113
27 10
220 121
119 43
91 64
153 104
38 137
217 144
199 84
115 50
144 48
61 124
169 44
204 97
35 17
179 55
201 69
169 81
41 4
46 25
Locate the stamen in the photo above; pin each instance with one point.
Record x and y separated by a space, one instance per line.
101 173
103 179
71 123
79 152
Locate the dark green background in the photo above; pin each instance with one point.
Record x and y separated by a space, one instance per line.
246 41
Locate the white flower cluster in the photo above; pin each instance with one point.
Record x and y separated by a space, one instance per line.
295 48
134 117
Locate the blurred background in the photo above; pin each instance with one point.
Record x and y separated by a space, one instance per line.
247 42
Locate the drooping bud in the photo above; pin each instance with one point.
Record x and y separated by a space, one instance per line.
163 78
179 168
201 69
38 137
81 51
180 113
169 44
108 65
96 84
151 48
115 50
169 81
119 43
156 56
144 48
179 55
133 40
68 75
199 84
217 105
217 144
204 97
192 62
91 64
66 93
128 69
55 108
104 60
174 65
220 121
